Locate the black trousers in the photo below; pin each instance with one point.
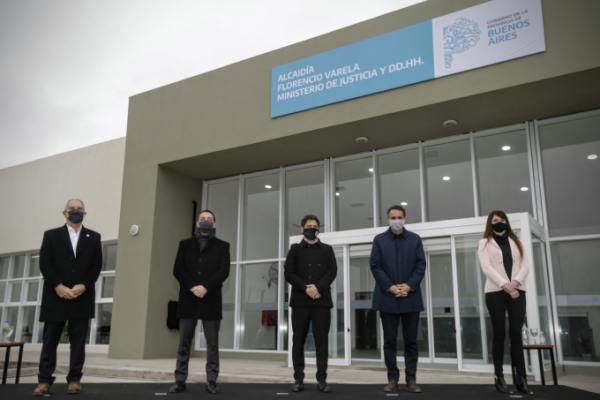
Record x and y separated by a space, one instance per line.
321 321
77 330
410 325
187 328
498 303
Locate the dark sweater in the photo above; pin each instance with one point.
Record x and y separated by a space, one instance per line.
507 258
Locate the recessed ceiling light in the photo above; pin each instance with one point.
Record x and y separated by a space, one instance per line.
362 139
524 189
268 186
370 169
450 122
337 193
404 203
592 156
506 148
446 178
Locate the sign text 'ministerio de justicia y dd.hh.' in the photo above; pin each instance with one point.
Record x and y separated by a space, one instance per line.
486 34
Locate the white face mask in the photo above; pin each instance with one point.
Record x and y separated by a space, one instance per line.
397 224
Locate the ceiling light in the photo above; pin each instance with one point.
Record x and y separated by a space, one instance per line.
370 169
268 186
446 178
592 156
362 139
404 203
524 189
450 122
506 148
337 193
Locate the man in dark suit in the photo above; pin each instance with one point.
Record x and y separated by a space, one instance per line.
310 268
201 267
70 262
398 266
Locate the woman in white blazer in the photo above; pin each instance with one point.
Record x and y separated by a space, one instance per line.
505 265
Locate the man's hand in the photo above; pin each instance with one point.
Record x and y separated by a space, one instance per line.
395 290
404 288
200 291
64 292
312 292
78 290
514 294
510 286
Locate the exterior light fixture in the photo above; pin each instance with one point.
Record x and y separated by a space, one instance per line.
592 156
446 178
450 122
362 139
506 148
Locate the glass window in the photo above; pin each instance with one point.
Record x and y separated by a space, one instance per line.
108 286
354 194
12 316
366 327
576 280
543 291
109 259
19 268
15 293
28 324
571 167
223 200
259 306
304 194
32 291
103 323
261 217
4 261
34 265
400 183
2 291
449 181
227 330
503 178
40 333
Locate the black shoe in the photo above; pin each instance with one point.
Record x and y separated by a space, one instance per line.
298 386
392 386
211 387
501 385
522 387
323 387
178 387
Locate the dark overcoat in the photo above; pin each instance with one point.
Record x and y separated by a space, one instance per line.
59 265
314 264
209 268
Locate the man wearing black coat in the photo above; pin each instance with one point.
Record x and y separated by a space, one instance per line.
310 268
70 262
201 267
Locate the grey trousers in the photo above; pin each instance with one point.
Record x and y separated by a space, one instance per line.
187 328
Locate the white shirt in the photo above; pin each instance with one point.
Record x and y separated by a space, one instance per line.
74 237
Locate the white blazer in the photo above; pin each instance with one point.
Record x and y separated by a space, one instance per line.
490 258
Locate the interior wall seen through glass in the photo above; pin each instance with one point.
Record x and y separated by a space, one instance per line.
400 183
223 200
354 194
543 291
571 168
109 259
449 181
103 323
261 217
304 194
503 179
4 262
34 266
577 283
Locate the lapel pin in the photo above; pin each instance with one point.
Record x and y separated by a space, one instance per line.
88 235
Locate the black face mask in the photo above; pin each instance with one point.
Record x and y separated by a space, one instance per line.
499 227
206 226
310 233
75 216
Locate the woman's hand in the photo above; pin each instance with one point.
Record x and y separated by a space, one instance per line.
514 294
510 286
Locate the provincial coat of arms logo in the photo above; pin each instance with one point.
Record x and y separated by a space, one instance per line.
459 37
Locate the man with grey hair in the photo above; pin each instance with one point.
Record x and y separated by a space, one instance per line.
70 262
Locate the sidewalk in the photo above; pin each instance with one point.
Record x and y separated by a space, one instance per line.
99 368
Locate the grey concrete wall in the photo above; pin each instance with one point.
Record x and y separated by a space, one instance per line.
38 190
218 124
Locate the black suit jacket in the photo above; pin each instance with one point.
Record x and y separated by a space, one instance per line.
209 268
59 264
314 264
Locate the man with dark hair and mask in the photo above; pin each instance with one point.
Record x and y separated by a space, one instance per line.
201 267
70 262
310 268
